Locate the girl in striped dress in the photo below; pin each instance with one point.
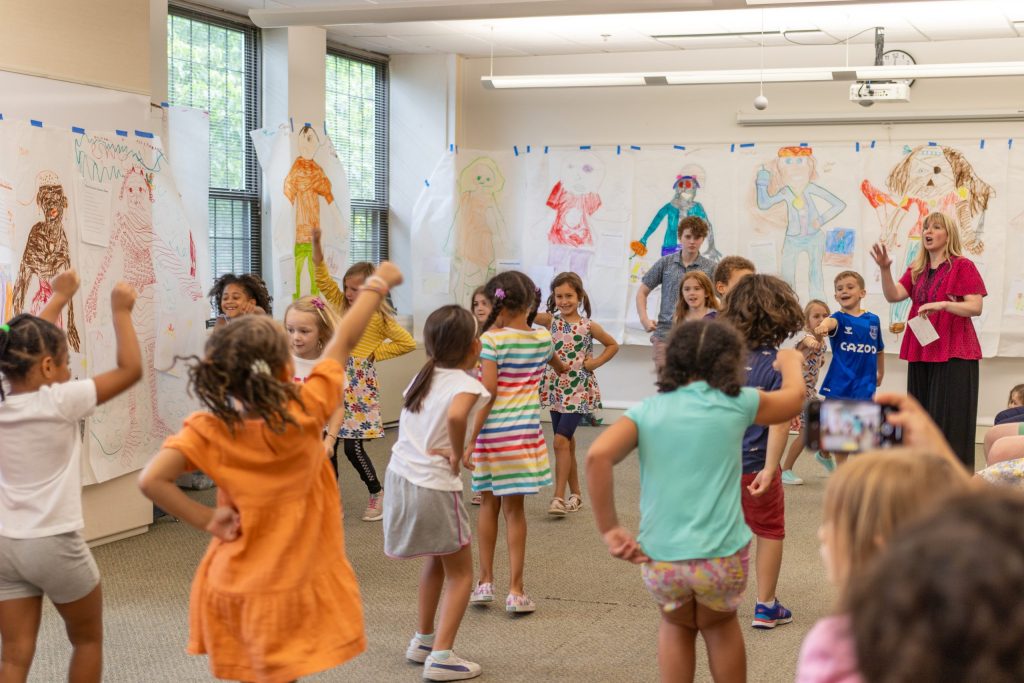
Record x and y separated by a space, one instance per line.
510 457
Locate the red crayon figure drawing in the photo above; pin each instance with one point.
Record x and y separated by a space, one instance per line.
305 183
574 199
46 253
140 248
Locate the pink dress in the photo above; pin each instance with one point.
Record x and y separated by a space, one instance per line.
951 281
828 654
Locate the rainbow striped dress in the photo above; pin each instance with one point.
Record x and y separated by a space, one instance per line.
511 456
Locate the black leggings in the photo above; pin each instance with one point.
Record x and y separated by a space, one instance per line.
360 460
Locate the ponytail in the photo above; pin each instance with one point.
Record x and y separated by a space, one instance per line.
420 387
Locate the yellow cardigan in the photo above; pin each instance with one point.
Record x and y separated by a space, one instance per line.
381 327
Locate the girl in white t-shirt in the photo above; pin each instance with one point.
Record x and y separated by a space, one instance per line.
42 550
310 324
423 514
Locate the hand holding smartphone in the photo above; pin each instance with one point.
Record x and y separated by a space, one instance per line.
850 426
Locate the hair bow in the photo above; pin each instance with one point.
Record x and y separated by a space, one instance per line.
317 302
499 293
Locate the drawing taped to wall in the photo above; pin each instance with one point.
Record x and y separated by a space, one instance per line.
47 254
478 226
575 200
929 178
683 204
839 247
305 183
789 179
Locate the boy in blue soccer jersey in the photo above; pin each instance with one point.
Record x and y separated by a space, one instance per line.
858 361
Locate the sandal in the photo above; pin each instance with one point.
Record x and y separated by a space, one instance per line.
574 503
476 499
557 507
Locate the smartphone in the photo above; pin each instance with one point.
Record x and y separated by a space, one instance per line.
847 426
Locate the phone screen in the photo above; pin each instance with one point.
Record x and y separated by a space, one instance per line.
843 426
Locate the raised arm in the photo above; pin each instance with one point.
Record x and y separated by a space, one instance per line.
611 347
129 358
786 402
892 290
354 322
609 449
64 287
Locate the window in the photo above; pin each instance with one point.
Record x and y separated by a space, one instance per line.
357 123
213 65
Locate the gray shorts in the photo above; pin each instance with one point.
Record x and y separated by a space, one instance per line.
420 521
60 566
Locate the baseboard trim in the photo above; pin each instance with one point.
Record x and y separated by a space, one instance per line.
119 536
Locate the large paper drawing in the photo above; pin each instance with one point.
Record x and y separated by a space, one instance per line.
929 178
789 180
477 227
304 185
682 205
574 198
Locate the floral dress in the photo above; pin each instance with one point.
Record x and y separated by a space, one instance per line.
813 360
575 391
362 401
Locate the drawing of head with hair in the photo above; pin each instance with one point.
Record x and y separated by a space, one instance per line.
794 167
50 197
136 189
582 173
309 142
934 172
482 175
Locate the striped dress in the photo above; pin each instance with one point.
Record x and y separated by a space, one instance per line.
511 457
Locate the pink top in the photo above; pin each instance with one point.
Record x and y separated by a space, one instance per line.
951 281
828 654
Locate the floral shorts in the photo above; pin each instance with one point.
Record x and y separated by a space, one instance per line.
717 583
1007 473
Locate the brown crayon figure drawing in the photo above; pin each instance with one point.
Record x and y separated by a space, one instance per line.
46 253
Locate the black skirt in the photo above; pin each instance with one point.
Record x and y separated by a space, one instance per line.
949 392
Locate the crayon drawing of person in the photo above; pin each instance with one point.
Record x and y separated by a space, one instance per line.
305 183
574 199
478 224
790 181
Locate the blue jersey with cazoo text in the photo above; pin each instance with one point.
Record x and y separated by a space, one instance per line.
856 343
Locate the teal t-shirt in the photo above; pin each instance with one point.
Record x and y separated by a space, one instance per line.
690 441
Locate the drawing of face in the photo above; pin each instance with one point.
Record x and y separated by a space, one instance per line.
303 334
796 171
686 187
308 142
135 192
929 174
52 202
582 173
235 300
483 176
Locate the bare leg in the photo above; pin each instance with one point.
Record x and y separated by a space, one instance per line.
677 635
458 584
562 455
431 581
83 620
769 564
727 656
1006 448
840 458
515 530
795 450
19 627
998 432
487 534
574 474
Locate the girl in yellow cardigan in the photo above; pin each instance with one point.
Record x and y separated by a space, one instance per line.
384 338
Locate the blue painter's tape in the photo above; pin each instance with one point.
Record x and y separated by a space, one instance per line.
1010 143
37 124
164 105
857 146
635 148
515 149
291 123
426 182
732 147
680 147
143 134
584 146
451 146
746 144
307 125
933 144
872 144
618 149
545 149
122 133
76 129
803 144
981 144
528 150
1 117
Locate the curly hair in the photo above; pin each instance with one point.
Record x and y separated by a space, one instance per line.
574 281
943 602
448 336
764 309
253 285
729 265
708 350
517 292
697 226
326 318
247 362
25 342
710 300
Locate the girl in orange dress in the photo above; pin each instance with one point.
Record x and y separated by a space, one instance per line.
274 598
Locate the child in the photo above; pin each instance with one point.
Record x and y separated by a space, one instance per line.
943 602
235 295
865 504
858 358
310 324
424 514
274 598
571 395
766 312
41 546
510 458
697 298
694 555
384 339
813 349
481 309
1005 440
729 272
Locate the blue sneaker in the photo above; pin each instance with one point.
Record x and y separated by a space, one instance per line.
454 668
770 616
826 461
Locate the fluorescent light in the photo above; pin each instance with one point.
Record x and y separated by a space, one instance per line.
747 76
889 116
980 69
562 81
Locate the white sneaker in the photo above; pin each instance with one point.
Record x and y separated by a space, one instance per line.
375 507
417 651
454 668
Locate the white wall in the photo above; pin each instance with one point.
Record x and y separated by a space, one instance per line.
491 119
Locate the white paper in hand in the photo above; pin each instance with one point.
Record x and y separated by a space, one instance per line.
923 330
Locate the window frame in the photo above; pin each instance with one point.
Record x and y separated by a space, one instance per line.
251 198
378 208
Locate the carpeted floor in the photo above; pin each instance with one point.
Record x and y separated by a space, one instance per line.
595 621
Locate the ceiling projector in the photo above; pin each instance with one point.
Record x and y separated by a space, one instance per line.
866 93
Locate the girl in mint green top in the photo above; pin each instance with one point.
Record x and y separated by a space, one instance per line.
692 538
